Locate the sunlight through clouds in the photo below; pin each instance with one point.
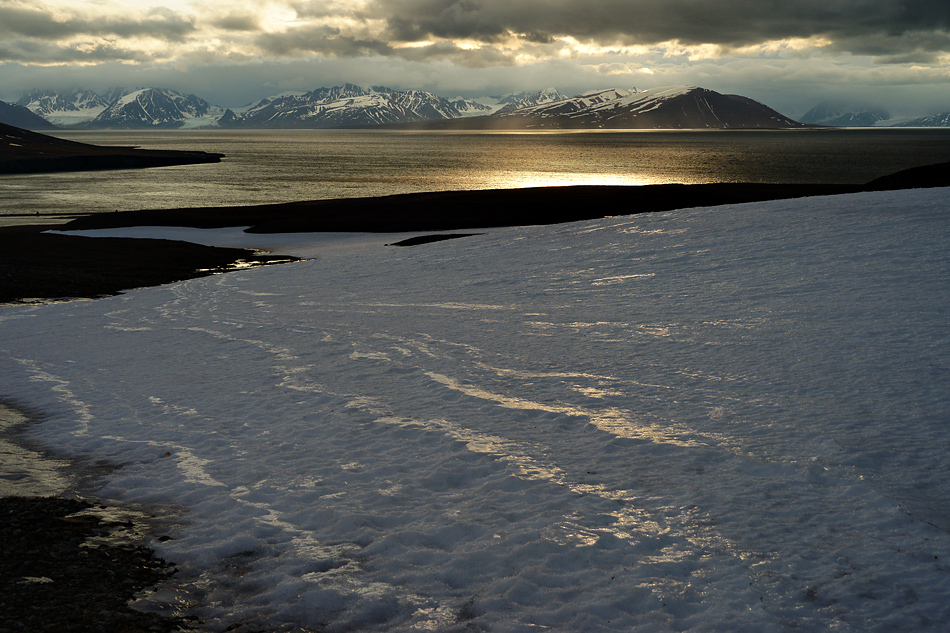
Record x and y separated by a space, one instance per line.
445 45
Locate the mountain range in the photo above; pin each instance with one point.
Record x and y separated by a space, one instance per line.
348 105
353 106
68 108
676 107
833 114
936 120
341 106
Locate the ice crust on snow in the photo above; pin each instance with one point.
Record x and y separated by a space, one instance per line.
726 419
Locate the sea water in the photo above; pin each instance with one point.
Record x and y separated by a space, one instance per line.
281 166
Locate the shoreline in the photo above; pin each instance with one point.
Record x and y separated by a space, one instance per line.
69 562
37 153
35 265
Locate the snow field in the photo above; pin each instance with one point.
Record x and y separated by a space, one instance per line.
730 419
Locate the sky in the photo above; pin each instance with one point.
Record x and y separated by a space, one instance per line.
788 54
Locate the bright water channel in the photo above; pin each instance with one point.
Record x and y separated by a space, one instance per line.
280 166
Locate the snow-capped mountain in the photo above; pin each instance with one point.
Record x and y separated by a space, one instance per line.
65 108
936 120
491 104
675 107
347 106
472 107
157 108
835 115
517 101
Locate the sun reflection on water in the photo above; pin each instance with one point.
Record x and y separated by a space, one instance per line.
525 179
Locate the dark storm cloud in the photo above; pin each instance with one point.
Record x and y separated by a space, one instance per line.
40 25
920 47
479 58
26 51
332 42
323 40
729 23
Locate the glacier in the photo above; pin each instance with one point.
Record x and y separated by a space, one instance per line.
715 419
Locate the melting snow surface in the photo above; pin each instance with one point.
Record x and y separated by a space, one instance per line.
727 419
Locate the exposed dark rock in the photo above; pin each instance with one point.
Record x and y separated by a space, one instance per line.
913 178
54 579
428 239
459 210
36 265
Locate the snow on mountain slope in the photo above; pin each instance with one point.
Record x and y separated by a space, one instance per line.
345 106
935 120
835 115
517 101
728 419
157 108
349 105
471 107
594 100
664 107
485 105
64 108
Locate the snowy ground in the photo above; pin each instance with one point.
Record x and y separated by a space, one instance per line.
733 419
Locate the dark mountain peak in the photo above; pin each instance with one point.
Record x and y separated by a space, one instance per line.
156 107
346 106
21 117
671 107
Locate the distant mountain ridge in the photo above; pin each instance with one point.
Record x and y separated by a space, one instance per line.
157 108
349 105
935 120
673 107
833 114
65 108
511 102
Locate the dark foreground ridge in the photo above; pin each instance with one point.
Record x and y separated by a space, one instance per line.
24 152
35 265
54 578
419 240
459 210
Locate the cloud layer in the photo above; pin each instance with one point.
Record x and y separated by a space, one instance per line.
860 43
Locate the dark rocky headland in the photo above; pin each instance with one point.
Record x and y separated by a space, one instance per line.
25 152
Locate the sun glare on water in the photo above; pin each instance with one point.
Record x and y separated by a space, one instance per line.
522 180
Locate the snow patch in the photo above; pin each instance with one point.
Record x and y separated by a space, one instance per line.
710 419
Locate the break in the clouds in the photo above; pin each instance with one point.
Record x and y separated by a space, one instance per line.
759 47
